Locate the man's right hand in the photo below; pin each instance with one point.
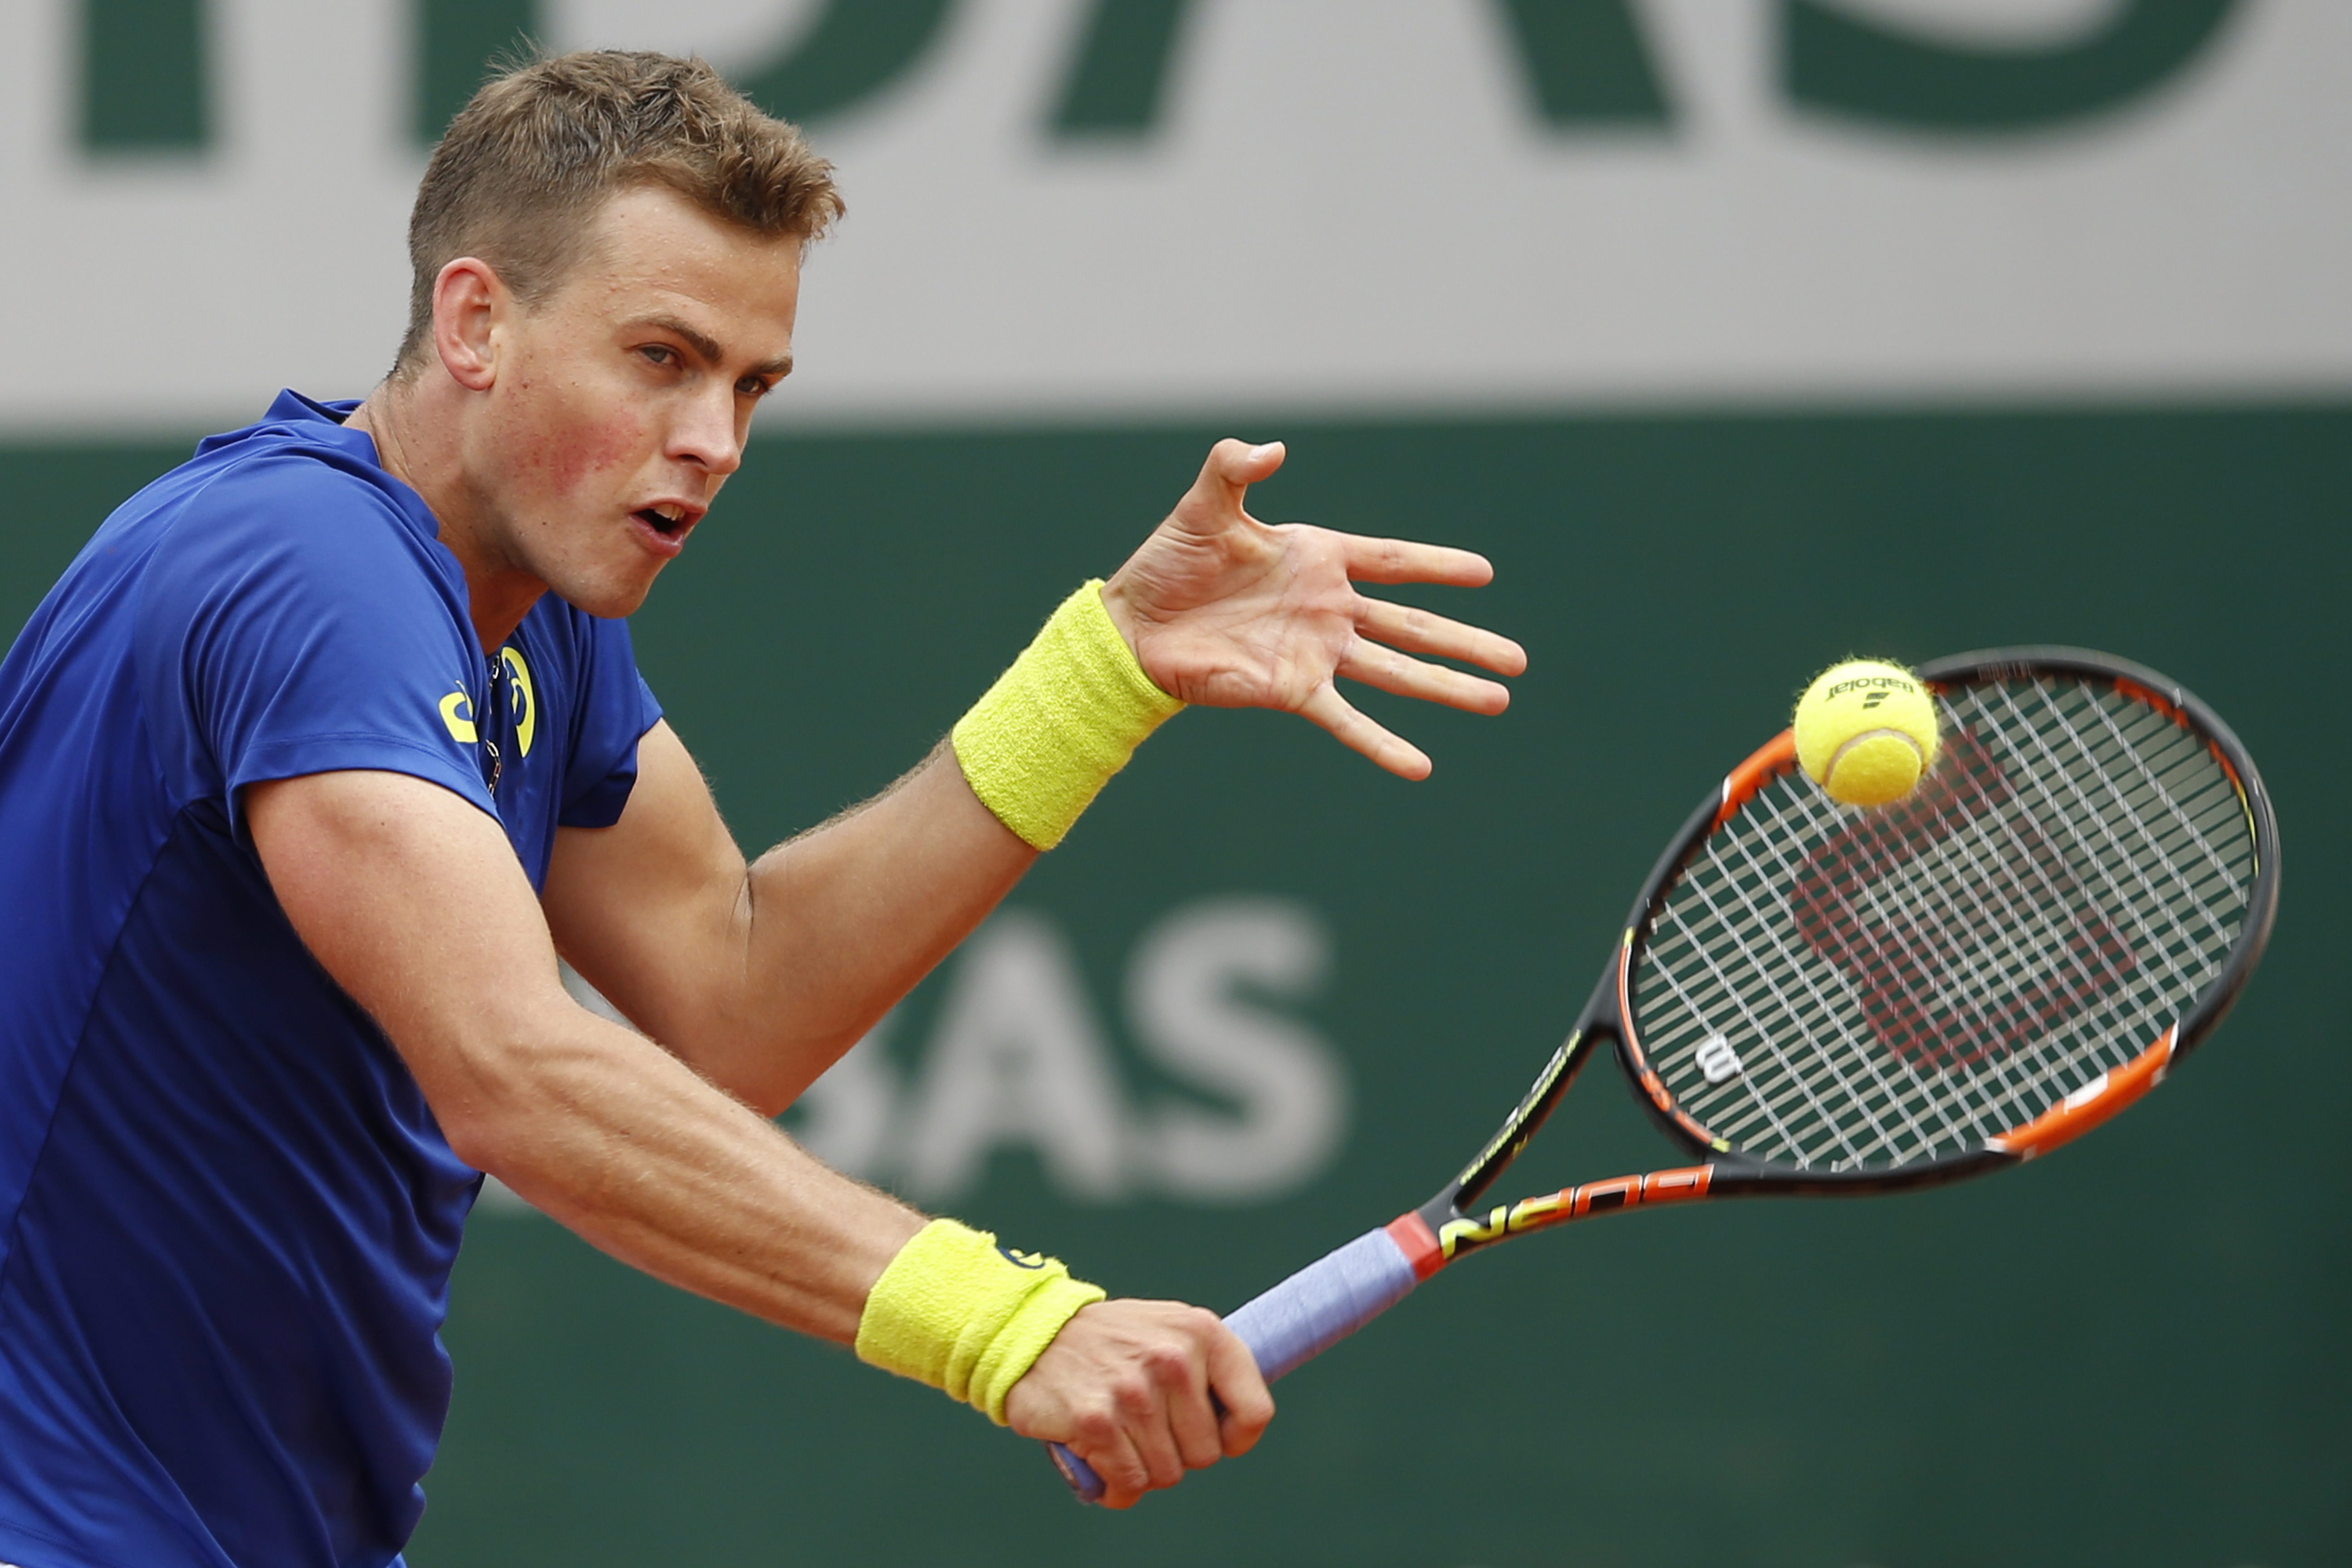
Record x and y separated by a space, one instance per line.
1128 1386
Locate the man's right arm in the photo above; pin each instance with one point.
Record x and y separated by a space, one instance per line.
412 899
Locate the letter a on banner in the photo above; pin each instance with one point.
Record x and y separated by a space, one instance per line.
1585 60
1017 1059
456 43
1118 81
855 49
849 52
1588 63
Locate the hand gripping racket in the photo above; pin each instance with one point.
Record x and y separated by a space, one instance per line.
1814 1000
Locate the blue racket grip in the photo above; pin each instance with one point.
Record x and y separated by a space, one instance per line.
1297 1320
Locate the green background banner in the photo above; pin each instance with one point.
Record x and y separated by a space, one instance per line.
2133 1352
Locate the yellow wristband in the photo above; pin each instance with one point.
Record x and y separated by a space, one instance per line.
966 1316
1041 744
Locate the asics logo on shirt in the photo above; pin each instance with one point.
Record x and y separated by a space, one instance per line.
456 712
522 700
522 703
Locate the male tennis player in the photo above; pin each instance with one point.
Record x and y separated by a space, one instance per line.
332 740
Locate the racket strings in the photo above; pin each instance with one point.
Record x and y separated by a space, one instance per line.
2057 992
2177 828
2064 987
1864 1110
1887 1117
1837 988
1877 1102
1807 1061
1990 875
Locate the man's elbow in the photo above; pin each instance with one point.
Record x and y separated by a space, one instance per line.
503 1110
483 1131
479 1141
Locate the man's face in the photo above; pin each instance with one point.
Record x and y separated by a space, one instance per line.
621 404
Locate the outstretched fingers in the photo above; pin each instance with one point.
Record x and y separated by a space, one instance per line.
1357 734
1406 561
1418 631
1394 672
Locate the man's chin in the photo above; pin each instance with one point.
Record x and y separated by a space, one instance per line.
605 600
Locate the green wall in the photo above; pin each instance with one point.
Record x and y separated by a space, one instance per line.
2134 1352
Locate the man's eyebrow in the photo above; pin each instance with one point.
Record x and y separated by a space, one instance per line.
706 345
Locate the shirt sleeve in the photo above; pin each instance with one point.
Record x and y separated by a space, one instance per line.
618 707
297 621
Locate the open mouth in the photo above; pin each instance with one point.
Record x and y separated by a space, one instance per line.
667 519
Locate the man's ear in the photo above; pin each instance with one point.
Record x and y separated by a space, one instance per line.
469 304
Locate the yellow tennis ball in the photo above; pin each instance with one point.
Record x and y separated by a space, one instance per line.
1866 731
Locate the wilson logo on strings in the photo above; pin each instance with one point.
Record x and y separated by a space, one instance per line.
1891 900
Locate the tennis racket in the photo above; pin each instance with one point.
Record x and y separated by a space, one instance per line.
1814 1000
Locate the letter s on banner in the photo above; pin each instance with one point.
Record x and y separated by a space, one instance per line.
1184 1007
1836 63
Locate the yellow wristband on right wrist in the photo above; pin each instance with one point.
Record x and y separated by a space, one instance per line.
1069 712
957 1311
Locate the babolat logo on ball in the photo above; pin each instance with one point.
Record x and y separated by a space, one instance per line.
1879 686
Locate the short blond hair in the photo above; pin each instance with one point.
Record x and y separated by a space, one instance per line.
540 148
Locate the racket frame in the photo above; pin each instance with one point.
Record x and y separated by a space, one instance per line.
1454 1221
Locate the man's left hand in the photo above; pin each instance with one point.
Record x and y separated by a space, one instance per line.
1226 611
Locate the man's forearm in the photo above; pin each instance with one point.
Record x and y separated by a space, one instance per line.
622 1142
413 900
845 920
849 918
762 976
627 1146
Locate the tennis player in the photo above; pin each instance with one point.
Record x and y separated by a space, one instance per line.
332 740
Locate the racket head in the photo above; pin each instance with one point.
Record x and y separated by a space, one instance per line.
1813 996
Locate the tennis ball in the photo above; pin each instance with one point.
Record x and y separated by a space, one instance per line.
1866 731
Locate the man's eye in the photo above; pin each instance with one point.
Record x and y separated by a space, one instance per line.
752 387
658 354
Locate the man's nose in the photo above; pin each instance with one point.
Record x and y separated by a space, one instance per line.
707 434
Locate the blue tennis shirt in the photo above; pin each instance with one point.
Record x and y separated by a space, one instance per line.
227 1216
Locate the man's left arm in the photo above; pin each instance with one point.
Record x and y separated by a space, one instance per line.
761 975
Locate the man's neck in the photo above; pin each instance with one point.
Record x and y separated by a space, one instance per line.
415 426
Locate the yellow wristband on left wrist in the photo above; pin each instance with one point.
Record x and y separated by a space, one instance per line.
959 1313
1043 742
